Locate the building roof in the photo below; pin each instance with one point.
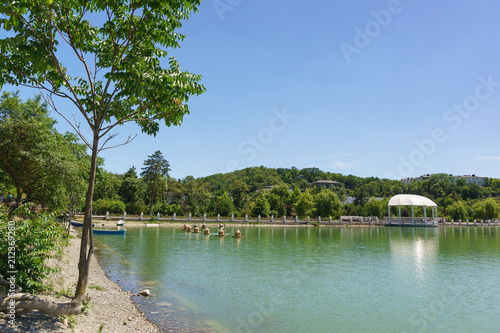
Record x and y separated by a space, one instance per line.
326 182
411 200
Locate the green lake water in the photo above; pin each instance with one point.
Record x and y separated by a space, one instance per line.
298 279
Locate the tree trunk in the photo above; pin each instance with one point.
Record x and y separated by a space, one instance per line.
19 195
87 244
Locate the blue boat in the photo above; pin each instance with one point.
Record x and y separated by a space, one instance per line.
78 224
109 232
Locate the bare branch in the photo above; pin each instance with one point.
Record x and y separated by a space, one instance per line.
129 139
76 126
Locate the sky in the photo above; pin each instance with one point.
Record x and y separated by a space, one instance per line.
388 89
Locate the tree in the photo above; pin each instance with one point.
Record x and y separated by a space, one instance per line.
40 161
198 198
156 166
278 199
495 186
130 186
238 191
305 204
457 210
361 195
111 73
261 206
327 203
225 205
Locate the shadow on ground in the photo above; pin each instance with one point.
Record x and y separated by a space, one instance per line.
33 321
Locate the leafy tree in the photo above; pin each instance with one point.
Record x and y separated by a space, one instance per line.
198 198
131 186
117 46
305 204
107 186
156 166
495 186
292 200
278 199
225 205
326 203
376 207
457 210
37 158
487 209
261 206
361 195
238 190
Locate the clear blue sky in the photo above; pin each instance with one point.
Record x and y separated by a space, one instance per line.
390 89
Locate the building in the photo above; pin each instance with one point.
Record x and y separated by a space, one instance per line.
472 179
326 183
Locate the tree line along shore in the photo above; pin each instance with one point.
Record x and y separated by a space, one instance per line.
52 170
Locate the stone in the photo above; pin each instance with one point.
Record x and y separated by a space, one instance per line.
145 293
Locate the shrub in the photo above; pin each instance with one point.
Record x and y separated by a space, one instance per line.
167 209
113 206
27 244
136 208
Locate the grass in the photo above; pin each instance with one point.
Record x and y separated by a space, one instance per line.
96 287
69 321
65 292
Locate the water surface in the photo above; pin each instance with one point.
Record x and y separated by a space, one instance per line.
296 279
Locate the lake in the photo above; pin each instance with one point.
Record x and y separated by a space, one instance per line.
311 279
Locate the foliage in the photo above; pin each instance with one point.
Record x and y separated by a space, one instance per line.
155 167
457 210
486 209
136 208
107 186
305 204
375 207
166 209
33 242
326 203
238 190
118 47
261 206
131 186
44 165
225 205
113 206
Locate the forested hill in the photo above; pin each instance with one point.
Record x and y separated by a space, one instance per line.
259 177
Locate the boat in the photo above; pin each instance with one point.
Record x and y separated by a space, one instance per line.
109 232
78 224
120 222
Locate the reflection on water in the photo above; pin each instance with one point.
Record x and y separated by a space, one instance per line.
293 279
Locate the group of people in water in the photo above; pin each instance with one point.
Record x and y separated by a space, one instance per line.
206 231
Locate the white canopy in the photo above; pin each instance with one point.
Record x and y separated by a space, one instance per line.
411 200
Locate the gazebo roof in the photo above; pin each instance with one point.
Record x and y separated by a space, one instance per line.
411 200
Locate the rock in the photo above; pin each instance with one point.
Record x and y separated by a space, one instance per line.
145 292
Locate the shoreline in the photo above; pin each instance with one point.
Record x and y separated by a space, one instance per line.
111 308
266 224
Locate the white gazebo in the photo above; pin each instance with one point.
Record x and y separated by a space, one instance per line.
413 200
